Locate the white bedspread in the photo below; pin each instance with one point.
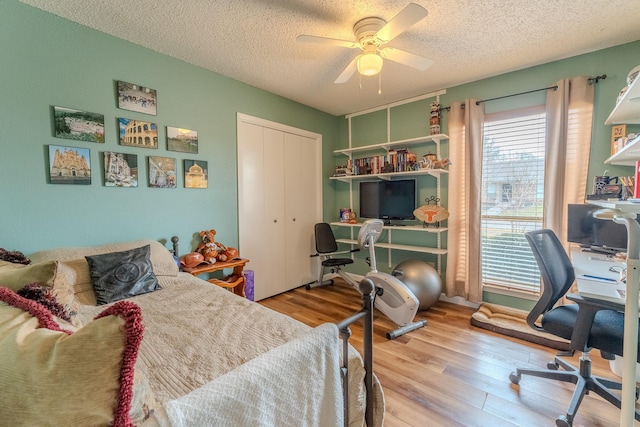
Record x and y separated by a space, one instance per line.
200 338
268 390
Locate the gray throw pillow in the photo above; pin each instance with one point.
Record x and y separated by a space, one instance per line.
120 275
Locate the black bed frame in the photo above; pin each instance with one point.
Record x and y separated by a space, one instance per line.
366 314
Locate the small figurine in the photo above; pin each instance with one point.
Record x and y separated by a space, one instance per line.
428 160
434 120
353 218
387 168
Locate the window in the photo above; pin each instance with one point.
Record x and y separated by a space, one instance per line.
507 193
512 197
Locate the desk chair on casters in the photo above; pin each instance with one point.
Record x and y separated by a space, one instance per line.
588 324
326 249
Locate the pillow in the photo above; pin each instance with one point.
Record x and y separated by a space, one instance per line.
9 264
161 259
43 296
47 274
61 377
120 275
76 269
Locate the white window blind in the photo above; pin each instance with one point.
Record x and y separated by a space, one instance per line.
512 197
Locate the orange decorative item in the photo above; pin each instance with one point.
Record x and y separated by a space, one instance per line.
353 218
431 213
192 259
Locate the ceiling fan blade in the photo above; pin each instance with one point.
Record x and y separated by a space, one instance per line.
348 71
325 40
406 58
401 22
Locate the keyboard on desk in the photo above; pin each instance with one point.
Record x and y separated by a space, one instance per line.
601 258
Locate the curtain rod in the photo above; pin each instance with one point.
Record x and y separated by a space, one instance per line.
592 80
516 94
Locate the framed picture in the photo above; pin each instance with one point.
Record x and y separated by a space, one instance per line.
184 140
138 98
77 124
69 165
136 133
196 174
120 169
617 132
162 172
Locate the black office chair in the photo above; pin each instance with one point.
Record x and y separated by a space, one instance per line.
326 249
588 324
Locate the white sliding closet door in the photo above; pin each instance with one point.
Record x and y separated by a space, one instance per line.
279 201
300 204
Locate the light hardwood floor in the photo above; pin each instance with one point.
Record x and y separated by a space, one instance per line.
452 373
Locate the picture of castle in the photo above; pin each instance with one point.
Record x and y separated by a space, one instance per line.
69 165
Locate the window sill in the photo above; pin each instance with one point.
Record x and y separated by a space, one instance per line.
511 292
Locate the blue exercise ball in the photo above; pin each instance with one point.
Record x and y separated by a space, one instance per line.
421 279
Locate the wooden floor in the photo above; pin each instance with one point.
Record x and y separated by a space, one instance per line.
452 373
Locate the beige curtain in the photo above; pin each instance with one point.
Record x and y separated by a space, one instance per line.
463 276
569 112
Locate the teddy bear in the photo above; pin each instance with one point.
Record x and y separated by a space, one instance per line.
214 251
209 248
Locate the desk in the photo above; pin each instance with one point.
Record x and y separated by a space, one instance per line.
233 282
597 275
583 264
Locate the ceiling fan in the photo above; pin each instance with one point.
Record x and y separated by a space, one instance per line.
371 34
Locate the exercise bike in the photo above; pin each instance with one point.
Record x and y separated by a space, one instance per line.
393 298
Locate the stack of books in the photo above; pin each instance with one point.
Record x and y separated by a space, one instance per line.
393 161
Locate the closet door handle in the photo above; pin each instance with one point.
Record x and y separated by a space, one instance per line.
275 220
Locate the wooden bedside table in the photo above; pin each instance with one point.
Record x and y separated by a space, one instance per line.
233 282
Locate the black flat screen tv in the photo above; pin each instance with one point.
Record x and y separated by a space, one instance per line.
388 200
600 235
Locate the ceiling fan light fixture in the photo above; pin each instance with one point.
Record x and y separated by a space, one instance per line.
369 64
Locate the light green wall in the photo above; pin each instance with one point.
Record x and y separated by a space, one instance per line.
45 61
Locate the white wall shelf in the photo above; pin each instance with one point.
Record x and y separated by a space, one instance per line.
628 155
389 145
419 228
617 204
391 175
391 245
410 248
627 111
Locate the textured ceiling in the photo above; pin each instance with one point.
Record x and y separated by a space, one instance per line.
254 41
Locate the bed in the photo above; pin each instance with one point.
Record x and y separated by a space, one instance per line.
213 358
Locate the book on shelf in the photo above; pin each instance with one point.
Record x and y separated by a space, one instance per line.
394 161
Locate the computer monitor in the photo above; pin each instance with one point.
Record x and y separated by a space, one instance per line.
600 235
388 200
